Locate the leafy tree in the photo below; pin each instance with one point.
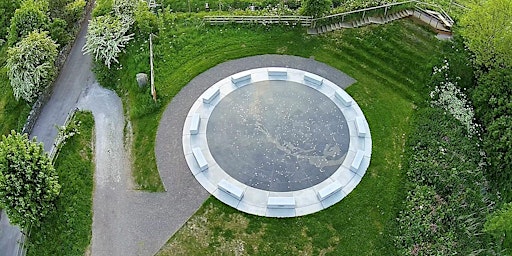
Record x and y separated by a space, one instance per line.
493 104
29 17
487 29
499 224
106 38
7 9
315 8
103 7
74 11
146 22
28 181
493 95
58 31
31 65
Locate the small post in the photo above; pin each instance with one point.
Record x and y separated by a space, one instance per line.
153 90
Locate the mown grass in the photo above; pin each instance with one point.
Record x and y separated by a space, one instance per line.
13 113
391 64
68 230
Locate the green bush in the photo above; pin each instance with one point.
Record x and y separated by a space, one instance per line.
74 11
492 98
444 168
58 31
7 8
29 17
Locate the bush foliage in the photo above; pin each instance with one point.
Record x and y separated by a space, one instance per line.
31 65
448 200
28 182
447 204
31 16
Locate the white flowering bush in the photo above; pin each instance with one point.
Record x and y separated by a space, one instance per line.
106 38
31 65
107 35
448 96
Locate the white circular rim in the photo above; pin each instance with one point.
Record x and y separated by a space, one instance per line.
268 203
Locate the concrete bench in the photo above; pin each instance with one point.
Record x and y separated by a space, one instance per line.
357 161
361 130
312 79
329 190
231 189
201 161
343 97
241 79
279 73
210 95
281 202
194 124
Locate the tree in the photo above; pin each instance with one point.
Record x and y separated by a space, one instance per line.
7 9
28 181
31 65
146 22
31 16
315 8
493 106
499 224
487 29
106 38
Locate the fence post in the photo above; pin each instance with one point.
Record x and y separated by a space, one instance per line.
153 91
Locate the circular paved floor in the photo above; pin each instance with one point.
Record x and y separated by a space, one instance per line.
278 136
239 92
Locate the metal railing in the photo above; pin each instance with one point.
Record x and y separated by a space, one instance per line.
58 141
383 9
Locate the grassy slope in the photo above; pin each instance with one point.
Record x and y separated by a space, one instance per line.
68 230
13 114
391 63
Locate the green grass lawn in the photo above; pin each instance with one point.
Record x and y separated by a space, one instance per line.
13 113
391 63
183 51
68 229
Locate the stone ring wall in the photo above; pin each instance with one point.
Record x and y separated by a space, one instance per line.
269 203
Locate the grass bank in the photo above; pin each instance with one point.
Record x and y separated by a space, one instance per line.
391 63
68 230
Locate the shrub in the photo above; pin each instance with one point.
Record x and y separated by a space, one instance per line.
28 181
31 16
315 8
106 38
445 170
74 11
58 31
7 9
492 98
146 22
31 65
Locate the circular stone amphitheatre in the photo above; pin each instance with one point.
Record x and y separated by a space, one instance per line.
277 136
276 141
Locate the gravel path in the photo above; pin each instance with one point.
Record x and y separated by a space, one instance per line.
129 222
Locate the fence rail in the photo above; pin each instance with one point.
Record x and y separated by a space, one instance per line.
58 141
288 20
308 21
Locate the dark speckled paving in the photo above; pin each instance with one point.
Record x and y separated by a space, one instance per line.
278 136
